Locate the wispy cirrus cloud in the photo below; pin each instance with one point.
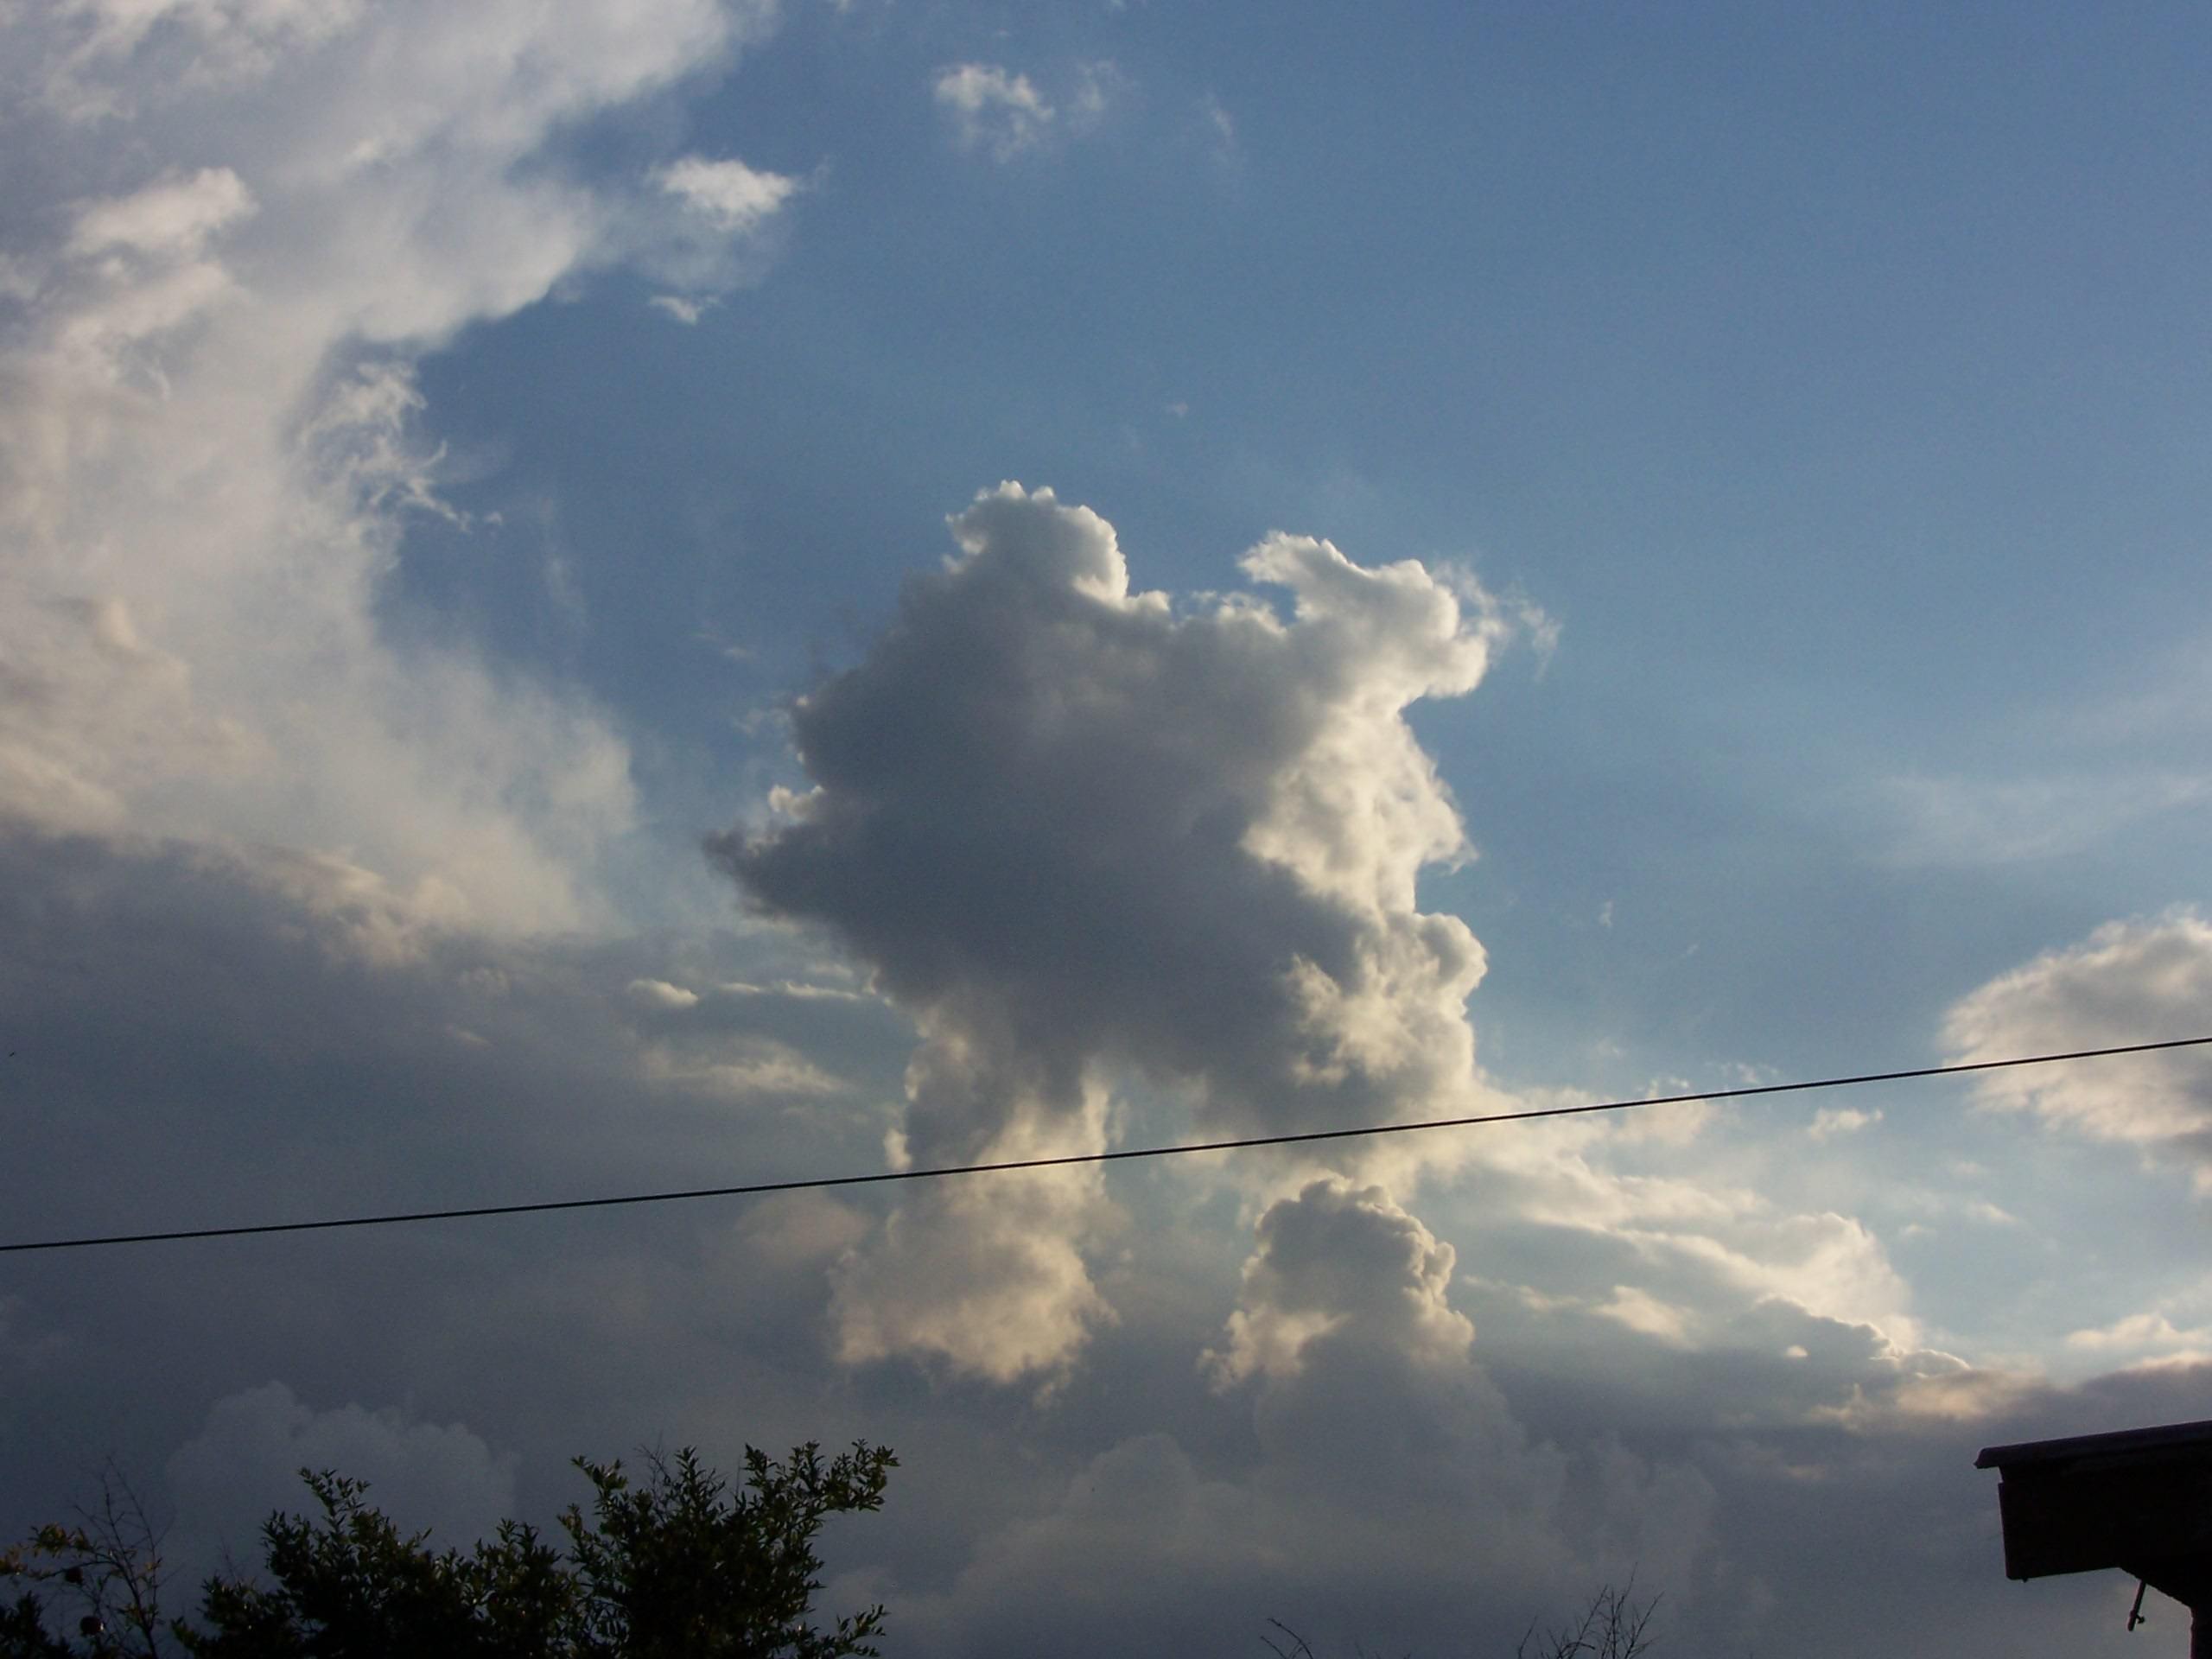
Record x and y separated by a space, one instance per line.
1004 113
1955 821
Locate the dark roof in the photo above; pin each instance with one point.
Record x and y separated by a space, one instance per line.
2167 1438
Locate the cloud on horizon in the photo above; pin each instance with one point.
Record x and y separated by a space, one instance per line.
1383 1444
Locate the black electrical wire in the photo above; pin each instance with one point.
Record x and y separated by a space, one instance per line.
751 1189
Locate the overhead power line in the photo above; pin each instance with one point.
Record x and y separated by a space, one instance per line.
817 1183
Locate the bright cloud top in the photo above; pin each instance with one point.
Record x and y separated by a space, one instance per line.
1080 832
1334 1259
207 413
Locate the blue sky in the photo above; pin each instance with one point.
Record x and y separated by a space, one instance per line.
456 465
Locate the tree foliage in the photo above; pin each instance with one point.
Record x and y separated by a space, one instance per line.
683 1566
677 1562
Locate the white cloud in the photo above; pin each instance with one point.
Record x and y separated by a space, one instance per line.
991 109
709 238
731 196
2128 982
207 447
1833 1121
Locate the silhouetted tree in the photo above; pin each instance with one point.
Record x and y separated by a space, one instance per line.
106 1571
350 1585
683 1567
1613 1626
677 1563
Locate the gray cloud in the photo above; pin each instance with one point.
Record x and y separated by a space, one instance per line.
1082 833
200 1039
1391 1494
246 1460
195 1038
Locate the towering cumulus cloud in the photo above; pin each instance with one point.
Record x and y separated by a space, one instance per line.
1084 834
244 223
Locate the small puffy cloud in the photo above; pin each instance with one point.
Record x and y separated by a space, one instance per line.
993 110
714 220
2128 982
1832 1121
729 195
